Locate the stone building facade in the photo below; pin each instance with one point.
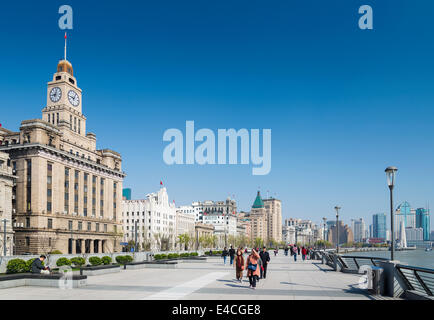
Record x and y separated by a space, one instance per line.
258 219
156 221
68 192
345 234
6 199
273 208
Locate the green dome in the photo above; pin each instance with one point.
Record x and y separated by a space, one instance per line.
258 202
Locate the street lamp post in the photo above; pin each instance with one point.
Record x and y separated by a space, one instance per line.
390 174
337 208
324 232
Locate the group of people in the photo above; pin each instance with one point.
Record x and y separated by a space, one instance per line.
297 250
255 264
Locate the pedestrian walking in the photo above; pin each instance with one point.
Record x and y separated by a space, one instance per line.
265 258
294 252
253 268
239 265
286 251
224 255
303 253
275 252
231 255
298 250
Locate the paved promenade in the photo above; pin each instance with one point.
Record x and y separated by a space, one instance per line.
212 280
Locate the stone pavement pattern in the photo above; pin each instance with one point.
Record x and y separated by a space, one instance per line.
211 280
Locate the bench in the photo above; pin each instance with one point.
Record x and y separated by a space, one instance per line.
40 280
98 270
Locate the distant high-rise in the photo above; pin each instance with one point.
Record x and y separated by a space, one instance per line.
379 226
126 194
359 229
404 213
423 221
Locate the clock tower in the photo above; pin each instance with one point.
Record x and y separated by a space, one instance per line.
64 104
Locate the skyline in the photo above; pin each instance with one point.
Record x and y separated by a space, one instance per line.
343 104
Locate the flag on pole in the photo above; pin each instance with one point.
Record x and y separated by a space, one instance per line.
65 34
161 183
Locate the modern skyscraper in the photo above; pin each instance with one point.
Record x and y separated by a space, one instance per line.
126 194
404 213
423 221
379 226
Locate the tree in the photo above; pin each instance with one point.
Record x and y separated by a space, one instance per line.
184 240
258 243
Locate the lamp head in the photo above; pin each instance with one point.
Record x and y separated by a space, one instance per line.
390 174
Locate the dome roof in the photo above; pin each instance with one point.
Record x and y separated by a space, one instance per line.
65 66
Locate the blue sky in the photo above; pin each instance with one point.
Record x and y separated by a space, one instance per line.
342 103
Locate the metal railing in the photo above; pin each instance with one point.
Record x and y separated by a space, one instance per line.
418 279
353 263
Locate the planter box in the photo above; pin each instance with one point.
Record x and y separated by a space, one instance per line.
41 280
98 270
159 264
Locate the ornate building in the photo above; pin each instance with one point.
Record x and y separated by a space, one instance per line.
6 199
273 208
155 218
258 219
345 234
68 192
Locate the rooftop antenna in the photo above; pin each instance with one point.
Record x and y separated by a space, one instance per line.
65 47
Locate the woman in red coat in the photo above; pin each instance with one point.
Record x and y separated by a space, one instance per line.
252 268
239 265
303 253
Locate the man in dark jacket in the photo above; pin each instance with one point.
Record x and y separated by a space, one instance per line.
232 255
265 257
38 266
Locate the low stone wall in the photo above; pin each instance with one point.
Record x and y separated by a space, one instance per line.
52 259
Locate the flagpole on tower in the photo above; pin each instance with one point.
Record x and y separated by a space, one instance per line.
65 46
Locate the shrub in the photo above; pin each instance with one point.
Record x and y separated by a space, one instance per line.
29 264
173 255
95 261
128 259
63 262
106 260
160 256
55 252
78 261
194 254
120 259
16 266
184 255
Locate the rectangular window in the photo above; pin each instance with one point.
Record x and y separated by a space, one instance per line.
50 224
105 227
97 227
57 118
27 222
80 225
89 226
27 241
70 225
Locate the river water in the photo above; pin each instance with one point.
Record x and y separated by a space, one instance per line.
416 258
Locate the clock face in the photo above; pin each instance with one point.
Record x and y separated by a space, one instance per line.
55 94
73 98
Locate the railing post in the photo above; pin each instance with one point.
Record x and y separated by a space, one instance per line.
336 264
389 276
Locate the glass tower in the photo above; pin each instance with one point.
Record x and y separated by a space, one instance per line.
379 225
423 221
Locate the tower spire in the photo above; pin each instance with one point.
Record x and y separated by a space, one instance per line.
65 47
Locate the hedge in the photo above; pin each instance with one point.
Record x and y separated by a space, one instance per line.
106 260
95 261
78 261
16 266
56 252
173 255
160 256
29 264
124 259
63 262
